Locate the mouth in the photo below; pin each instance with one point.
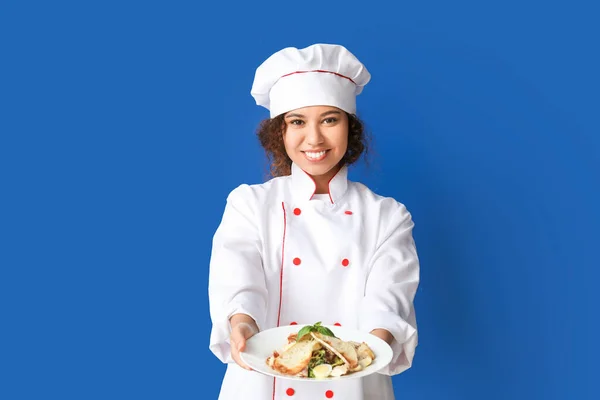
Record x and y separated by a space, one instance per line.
315 155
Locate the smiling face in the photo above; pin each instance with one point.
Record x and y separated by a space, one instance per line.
316 139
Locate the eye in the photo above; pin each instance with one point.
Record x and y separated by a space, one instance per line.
296 122
330 120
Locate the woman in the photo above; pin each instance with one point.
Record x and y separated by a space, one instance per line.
310 245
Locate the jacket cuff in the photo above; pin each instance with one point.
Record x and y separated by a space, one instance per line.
404 343
220 344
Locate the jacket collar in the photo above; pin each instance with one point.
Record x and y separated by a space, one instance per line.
304 187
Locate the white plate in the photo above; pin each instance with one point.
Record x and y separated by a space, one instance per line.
262 345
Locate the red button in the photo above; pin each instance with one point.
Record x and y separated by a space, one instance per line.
337 324
297 261
297 211
293 323
290 392
349 212
329 394
345 262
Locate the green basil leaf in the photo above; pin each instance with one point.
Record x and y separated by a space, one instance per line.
304 331
325 331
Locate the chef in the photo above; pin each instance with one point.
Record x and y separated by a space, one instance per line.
311 245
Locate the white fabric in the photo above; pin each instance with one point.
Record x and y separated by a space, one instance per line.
254 249
321 74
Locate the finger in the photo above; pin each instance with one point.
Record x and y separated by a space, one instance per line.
238 343
235 354
238 339
239 362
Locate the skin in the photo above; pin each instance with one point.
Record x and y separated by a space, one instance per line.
243 327
307 129
313 129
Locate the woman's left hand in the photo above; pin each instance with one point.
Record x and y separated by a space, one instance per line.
384 335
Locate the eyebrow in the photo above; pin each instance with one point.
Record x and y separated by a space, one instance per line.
295 115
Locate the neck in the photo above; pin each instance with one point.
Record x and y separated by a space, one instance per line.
322 181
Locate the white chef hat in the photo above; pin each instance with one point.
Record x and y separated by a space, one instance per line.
321 74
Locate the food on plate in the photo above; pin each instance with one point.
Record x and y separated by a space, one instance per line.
315 352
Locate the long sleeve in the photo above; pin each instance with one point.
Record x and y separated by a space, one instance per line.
236 277
391 287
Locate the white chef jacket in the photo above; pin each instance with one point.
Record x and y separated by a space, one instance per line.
283 256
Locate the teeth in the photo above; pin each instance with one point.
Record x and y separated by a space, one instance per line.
314 155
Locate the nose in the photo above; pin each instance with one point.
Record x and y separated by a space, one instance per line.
314 136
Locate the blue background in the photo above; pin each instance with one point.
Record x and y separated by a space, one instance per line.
124 125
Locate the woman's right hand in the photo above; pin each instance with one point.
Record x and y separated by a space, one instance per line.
243 328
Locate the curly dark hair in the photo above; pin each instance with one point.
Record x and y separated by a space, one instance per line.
270 134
